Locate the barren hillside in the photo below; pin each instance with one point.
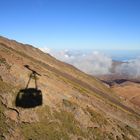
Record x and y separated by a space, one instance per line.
43 98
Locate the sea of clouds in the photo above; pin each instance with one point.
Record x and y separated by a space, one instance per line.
96 63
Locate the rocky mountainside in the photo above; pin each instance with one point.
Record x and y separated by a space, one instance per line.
42 98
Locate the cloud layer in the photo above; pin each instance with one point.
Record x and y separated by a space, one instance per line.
131 69
97 63
94 63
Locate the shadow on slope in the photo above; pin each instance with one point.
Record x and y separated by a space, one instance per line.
29 97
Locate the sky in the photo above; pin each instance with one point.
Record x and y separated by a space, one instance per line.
72 24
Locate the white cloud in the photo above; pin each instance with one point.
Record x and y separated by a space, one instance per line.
131 69
94 63
45 49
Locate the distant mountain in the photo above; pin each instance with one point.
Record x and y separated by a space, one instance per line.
126 86
42 98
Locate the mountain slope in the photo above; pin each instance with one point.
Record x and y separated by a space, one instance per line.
74 105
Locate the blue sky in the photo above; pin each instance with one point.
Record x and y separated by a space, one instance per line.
72 24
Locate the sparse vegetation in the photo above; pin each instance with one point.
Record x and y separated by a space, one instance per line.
44 131
57 127
96 117
5 87
72 106
3 125
3 62
0 78
69 123
47 113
